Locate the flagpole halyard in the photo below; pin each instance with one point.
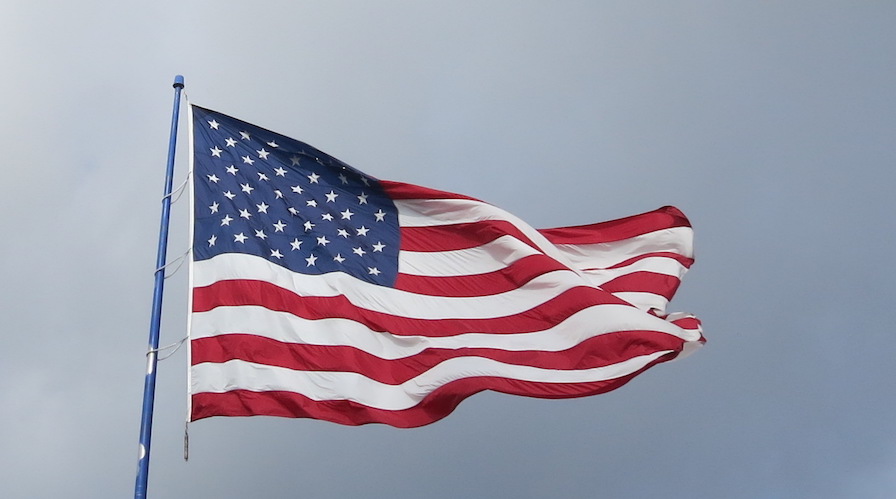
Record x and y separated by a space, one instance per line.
149 386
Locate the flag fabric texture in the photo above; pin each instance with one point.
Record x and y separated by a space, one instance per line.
319 291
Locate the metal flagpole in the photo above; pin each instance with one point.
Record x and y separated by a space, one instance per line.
149 386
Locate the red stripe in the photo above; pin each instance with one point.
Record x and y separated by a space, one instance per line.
644 282
690 323
400 190
509 278
458 236
616 230
683 260
249 292
524 270
432 408
598 351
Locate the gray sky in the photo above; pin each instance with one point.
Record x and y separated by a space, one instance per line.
770 124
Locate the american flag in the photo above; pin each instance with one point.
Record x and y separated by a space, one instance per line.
319 291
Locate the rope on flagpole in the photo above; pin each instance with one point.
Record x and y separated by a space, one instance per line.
179 190
179 261
186 441
176 346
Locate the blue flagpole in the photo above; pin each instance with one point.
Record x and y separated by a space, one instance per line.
149 386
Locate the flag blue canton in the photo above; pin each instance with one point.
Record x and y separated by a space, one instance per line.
265 194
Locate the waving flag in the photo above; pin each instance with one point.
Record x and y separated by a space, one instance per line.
321 292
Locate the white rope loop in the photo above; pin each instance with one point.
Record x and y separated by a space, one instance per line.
178 192
179 261
176 346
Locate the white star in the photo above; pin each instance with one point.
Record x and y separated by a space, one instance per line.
262 176
244 135
278 194
295 160
311 203
226 220
278 227
364 179
240 238
280 171
216 152
229 195
342 178
213 124
276 254
378 247
331 196
313 178
363 231
231 142
308 225
294 211
245 214
338 258
322 240
327 217
342 232
232 170
211 241
296 244
362 199
373 271
247 188
358 251
213 178
262 208
214 207
248 160
262 153
346 215
296 189
273 144
260 234
311 259
380 215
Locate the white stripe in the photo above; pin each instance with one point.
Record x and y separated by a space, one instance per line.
435 212
678 240
287 328
383 299
657 265
489 257
319 385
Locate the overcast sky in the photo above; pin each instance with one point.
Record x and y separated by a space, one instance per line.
770 124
